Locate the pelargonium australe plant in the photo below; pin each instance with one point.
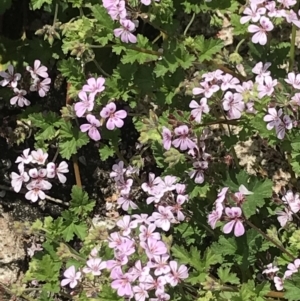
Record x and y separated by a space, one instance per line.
177 123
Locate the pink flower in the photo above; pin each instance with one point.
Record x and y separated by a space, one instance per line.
266 88
292 268
124 186
235 222
19 98
53 170
214 75
154 247
94 266
125 31
140 292
233 103
214 217
42 87
252 13
198 109
17 180
160 263
138 271
71 277
273 118
260 35
37 70
125 224
167 138
291 17
286 124
229 82
122 283
207 89
39 157
91 127
94 85
38 177
25 158
125 202
198 171
261 71
115 119
10 77
293 80
116 9
222 195
163 218
177 273
86 104
118 171
287 3
272 10
141 219
278 283
35 192
183 142
154 184
148 232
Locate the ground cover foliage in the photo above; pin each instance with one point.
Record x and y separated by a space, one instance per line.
163 98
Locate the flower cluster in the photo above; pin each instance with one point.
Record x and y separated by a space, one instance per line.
141 267
237 98
40 82
264 14
271 273
167 195
232 215
36 174
133 277
87 103
117 11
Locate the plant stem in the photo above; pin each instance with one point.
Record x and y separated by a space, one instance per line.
55 14
189 25
47 197
100 69
281 248
293 38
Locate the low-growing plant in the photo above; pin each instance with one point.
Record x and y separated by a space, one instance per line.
194 222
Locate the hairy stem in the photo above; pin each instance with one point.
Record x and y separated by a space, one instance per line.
189 25
55 14
281 248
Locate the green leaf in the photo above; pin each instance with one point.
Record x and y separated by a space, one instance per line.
71 139
37 4
207 48
105 152
108 294
46 123
292 289
5 4
139 52
226 276
81 204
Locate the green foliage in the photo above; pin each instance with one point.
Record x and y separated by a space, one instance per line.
261 190
70 139
5 4
207 48
37 4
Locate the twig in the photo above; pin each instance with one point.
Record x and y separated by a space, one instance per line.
267 237
47 197
189 25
